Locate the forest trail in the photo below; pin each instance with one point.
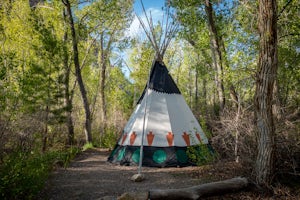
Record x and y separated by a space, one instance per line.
90 176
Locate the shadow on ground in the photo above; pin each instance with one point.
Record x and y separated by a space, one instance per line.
89 176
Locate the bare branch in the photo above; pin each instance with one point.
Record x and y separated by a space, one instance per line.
284 7
165 35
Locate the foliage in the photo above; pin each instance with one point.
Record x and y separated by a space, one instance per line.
120 96
23 175
87 146
108 140
201 154
141 58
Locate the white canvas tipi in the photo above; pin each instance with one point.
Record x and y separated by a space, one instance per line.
170 126
162 125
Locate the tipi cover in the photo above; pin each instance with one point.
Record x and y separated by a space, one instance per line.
170 127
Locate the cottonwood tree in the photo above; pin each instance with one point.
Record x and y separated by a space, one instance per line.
68 92
216 52
86 105
32 71
106 22
265 77
201 31
288 58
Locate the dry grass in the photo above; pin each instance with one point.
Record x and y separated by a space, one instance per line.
234 140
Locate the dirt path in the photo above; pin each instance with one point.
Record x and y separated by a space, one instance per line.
89 176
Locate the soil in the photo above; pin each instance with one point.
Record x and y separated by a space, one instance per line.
90 176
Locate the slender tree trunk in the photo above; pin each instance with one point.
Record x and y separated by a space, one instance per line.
204 104
45 134
266 75
103 67
232 90
67 96
234 96
68 104
216 54
104 62
190 89
102 83
196 89
47 111
88 130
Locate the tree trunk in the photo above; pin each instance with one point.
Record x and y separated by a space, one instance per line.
191 193
190 89
67 97
196 90
266 75
47 111
216 54
103 80
103 63
234 96
45 134
88 134
204 97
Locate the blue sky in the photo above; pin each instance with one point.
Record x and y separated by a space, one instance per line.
153 6
135 30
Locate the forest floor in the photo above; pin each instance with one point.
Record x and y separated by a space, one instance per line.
90 176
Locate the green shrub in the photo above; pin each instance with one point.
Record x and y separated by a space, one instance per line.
200 154
204 128
87 146
109 139
23 175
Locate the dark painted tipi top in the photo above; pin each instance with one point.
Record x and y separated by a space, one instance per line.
160 80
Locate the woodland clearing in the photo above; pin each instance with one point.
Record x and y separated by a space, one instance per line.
90 176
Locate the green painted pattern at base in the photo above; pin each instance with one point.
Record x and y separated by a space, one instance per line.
182 156
121 154
136 156
114 152
159 156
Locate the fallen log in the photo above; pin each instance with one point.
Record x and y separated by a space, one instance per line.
190 193
204 190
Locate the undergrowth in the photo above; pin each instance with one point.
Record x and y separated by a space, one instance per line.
87 146
23 175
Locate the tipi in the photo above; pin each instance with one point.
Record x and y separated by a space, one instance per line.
162 125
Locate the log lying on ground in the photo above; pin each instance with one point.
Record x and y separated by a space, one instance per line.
191 193
205 190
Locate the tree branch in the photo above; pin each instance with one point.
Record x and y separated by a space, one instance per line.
284 7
